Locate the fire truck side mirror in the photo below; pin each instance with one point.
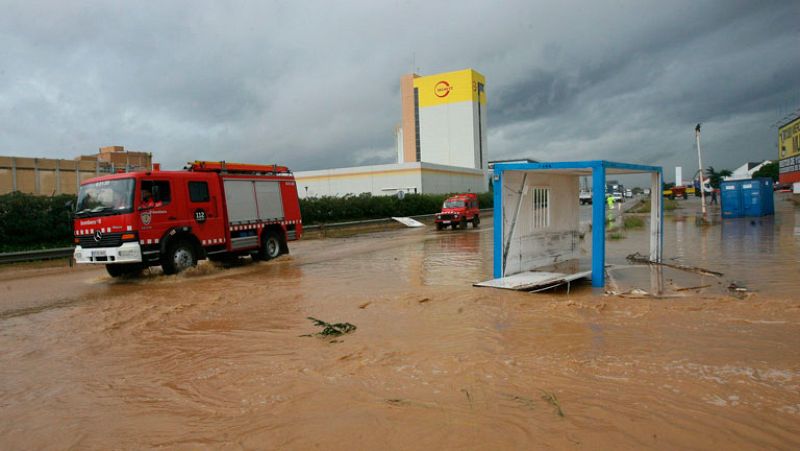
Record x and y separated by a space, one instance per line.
69 206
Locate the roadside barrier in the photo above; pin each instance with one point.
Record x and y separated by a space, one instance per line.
64 252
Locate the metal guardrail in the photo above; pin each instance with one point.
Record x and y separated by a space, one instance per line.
63 252
28 256
337 225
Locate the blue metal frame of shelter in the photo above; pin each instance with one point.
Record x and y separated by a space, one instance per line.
599 169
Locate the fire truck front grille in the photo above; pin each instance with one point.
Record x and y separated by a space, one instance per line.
447 216
106 240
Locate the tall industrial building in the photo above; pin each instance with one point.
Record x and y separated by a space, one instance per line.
441 143
444 119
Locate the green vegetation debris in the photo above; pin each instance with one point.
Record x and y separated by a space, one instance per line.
524 402
616 236
632 222
332 329
644 205
552 399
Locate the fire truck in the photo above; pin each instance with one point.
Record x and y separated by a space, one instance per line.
172 219
459 210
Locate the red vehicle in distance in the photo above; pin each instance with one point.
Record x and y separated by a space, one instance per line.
459 210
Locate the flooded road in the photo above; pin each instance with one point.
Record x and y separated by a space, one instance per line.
216 358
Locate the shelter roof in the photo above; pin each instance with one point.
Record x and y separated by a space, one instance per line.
583 168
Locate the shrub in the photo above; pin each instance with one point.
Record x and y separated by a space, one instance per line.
327 209
632 222
28 221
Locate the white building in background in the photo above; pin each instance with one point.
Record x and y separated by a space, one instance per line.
746 170
441 143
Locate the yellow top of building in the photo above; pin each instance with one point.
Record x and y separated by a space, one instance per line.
451 87
789 139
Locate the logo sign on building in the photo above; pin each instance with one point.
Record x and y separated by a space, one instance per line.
442 89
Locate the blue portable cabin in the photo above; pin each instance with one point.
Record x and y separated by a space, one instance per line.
751 197
757 198
730 193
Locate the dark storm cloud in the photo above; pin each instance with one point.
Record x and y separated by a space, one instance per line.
315 84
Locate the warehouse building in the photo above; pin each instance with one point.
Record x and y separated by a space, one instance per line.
441 143
48 176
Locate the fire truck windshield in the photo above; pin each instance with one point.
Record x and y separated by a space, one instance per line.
454 204
107 197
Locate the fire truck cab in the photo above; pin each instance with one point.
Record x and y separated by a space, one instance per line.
172 219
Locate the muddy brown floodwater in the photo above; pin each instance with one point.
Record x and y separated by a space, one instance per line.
216 358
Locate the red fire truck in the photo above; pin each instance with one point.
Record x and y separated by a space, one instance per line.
213 210
458 210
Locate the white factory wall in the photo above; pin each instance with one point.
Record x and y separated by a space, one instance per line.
473 181
387 179
448 134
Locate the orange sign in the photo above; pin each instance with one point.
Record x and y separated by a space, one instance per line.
442 89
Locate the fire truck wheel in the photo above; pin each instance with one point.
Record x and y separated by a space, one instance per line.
476 221
271 247
123 269
463 225
439 226
180 256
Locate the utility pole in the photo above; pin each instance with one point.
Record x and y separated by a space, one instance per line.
700 161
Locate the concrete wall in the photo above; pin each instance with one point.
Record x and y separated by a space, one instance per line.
46 176
387 179
532 247
457 180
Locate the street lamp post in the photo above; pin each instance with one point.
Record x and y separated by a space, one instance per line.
700 161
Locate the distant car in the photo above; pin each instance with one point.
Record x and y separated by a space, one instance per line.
617 196
585 197
628 193
458 211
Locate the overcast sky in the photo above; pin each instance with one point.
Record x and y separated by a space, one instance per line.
316 84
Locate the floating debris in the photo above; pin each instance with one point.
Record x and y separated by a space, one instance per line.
525 402
364 305
693 288
331 329
469 397
551 398
639 258
424 300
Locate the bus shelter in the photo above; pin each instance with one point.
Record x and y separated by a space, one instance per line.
537 221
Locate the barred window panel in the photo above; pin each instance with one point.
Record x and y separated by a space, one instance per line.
541 208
